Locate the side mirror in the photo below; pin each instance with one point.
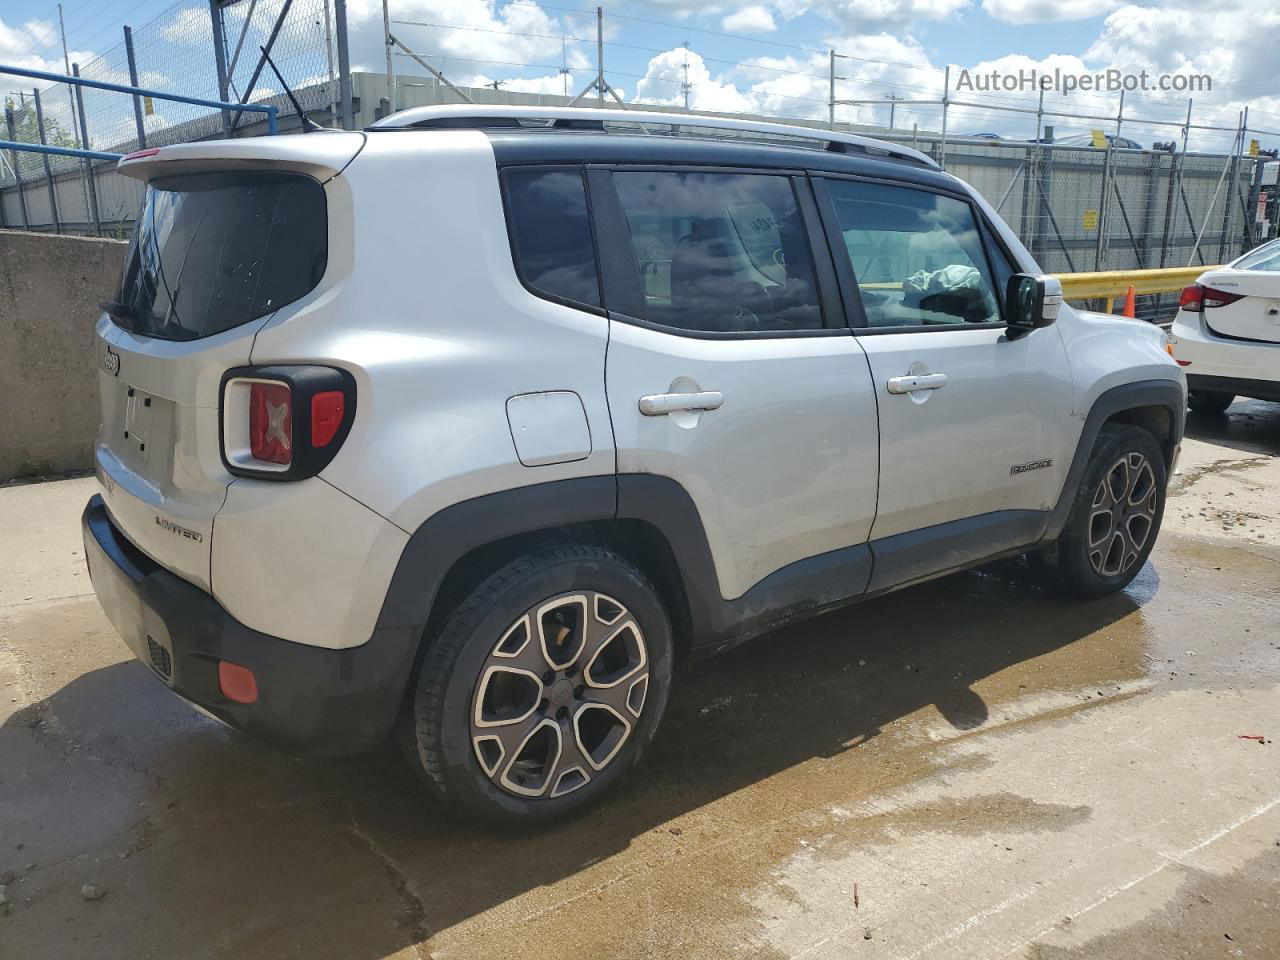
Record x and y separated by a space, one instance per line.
1031 302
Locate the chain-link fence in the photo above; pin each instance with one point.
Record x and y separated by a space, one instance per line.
174 52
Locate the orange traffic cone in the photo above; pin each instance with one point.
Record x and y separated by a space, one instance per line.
1130 309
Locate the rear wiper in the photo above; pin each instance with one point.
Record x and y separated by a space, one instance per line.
123 311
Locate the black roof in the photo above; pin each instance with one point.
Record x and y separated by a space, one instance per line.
547 145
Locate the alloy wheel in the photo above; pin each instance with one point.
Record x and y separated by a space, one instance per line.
559 695
1122 515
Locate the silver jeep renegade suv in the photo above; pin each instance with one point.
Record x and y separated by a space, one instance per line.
469 426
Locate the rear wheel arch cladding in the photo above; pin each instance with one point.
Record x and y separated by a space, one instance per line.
636 541
455 549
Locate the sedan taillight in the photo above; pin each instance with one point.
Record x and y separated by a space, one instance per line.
1197 298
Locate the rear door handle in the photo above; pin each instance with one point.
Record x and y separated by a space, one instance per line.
660 404
910 384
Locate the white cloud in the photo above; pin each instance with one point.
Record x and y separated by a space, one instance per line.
751 19
552 83
35 45
191 26
1046 11
875 15
481 34
665 74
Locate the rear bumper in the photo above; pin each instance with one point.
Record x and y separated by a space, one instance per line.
321 700
1240 386
1246 367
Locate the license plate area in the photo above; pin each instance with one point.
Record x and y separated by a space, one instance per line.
139 414
143 435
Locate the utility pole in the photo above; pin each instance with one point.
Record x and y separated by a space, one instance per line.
344 63
66 66
564 64
76 124
332 93
600 84
893 106
220 61
684 86
133 79
946 103
831 92
391 70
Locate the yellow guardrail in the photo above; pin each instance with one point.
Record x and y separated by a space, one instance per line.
1108 285
1112 284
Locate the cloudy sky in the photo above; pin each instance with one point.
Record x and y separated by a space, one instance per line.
764 55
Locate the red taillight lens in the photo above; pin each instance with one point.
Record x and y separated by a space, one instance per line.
327 409
237 683
1197 298
271 422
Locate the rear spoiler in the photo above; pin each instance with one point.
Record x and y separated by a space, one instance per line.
323 157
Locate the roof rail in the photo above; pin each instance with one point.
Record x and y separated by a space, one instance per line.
471 116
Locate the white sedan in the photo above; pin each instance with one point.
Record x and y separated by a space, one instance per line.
1227 332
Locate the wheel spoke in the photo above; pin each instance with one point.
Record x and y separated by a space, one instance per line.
519 648
574 769
615 696
530 768
495 747
600 731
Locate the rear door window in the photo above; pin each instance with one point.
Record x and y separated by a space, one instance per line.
212 251
720 252
551 234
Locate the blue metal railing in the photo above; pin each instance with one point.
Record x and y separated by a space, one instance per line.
60 151
270 111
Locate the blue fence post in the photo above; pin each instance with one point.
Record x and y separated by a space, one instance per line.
17 174
133 80
48 169
91 178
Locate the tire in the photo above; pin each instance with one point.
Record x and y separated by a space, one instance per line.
1208 402
544 687
1108 537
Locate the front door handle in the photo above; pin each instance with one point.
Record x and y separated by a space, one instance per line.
910 384
660 404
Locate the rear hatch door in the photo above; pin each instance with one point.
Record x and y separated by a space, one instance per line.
215 254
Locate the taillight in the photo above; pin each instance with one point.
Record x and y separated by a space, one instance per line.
1197 298
271 422
284 422
326 416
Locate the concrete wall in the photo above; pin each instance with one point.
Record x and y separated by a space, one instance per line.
49 290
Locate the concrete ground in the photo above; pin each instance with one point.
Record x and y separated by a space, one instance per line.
971 768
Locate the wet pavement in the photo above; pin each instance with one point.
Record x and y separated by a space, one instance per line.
970 768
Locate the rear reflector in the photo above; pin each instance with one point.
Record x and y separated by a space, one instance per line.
271 422
237 683
327 409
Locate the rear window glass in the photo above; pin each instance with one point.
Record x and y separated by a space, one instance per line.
212 251
551 234
1266 257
